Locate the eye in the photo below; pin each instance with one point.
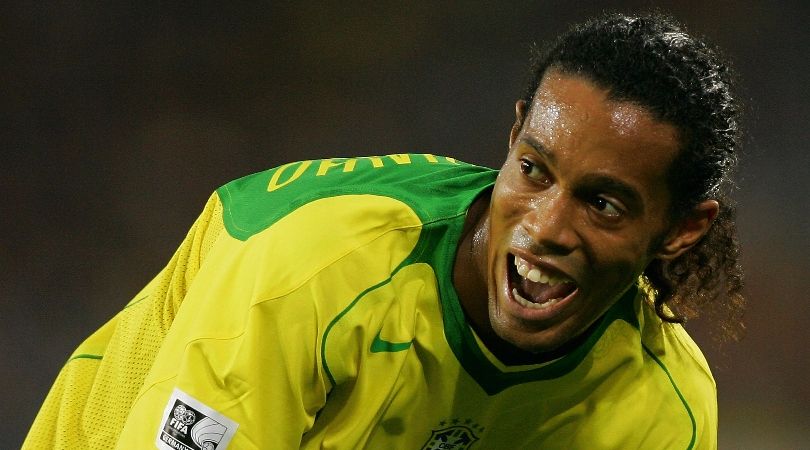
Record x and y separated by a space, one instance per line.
534 171
606 207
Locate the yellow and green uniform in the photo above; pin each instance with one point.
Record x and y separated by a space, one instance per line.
311 306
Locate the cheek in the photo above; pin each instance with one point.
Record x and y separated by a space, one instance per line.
511 201
618 261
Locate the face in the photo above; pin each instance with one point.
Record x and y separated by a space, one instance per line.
579 209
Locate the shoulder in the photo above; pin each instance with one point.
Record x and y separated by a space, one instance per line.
683 367
431 186
674 349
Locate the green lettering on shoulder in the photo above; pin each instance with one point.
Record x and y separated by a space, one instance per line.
274 180
253 203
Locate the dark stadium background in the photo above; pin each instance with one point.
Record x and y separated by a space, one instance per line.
120 118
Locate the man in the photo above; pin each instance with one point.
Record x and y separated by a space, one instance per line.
413 301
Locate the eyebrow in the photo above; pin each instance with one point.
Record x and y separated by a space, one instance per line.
594 182
627 193
539 148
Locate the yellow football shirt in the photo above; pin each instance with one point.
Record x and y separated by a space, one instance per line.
311 306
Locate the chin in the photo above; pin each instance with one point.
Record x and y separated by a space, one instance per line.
534 341
537 346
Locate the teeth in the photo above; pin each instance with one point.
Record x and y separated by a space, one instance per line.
532 305
536 275
522 268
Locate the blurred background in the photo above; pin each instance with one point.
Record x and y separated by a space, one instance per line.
120 118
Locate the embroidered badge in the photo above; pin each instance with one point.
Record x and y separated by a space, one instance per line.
455 437
188 424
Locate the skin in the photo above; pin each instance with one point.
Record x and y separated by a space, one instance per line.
582 195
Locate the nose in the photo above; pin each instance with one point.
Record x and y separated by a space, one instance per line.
550 223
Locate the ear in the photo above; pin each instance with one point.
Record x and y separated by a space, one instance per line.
520 114
689 230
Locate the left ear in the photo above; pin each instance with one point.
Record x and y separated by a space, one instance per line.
520 115
688 231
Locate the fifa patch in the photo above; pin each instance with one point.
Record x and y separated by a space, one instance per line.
188 424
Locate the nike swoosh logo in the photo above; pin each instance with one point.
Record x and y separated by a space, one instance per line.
381 345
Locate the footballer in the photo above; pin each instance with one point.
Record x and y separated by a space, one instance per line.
414 301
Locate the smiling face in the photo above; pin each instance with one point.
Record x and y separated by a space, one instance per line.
579 209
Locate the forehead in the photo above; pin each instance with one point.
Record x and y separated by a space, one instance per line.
563 100
577 122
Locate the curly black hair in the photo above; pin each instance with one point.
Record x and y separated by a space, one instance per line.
651 61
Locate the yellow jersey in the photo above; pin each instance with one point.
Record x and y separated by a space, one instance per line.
311 306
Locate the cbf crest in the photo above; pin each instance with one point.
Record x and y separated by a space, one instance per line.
454 437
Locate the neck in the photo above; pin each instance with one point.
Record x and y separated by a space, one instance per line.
470 268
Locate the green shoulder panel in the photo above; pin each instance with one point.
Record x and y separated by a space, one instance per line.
435 187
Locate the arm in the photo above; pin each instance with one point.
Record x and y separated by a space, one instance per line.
86 406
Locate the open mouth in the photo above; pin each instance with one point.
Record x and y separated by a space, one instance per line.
537 288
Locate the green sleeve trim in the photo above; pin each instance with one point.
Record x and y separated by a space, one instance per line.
85 356
136 301
677 391
96 344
